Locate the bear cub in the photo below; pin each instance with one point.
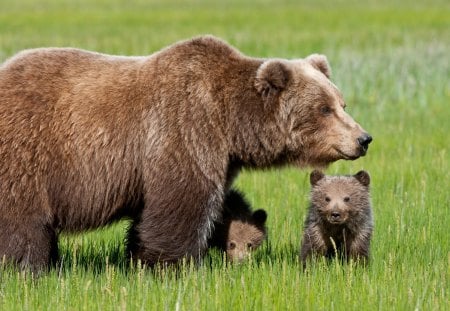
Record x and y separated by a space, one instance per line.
240 230
339 222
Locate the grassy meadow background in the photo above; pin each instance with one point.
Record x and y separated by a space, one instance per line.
391 61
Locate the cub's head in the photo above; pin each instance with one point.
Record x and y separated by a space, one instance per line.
310 110
338 199
245 235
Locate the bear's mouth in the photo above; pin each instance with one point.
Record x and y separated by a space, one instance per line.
363 150
336 221
346 156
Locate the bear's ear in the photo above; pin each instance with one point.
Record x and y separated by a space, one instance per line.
320 62
272 77
259 216
315 177
363 177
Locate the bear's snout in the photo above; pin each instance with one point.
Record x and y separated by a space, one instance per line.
364 140
335 215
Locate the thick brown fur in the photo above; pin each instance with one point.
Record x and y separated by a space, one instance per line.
339 222
88 138
240 230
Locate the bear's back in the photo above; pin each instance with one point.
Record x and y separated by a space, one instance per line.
45 74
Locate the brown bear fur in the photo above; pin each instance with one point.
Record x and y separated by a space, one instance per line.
240 230
88 138
339 219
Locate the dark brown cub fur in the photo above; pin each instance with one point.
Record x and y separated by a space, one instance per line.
240 230
339 222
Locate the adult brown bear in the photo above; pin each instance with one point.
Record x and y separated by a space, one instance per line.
88 138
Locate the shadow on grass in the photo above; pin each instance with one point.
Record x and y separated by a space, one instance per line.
100 258
92 260
265 255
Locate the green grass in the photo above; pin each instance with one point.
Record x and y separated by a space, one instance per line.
390 59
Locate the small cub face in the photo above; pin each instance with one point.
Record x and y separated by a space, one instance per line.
339 198
245 235
339 221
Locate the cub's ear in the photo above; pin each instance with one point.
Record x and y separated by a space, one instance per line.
315 177
260 216
363 177
320 62
272 77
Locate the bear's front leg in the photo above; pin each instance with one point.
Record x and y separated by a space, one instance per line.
175 223
313 245
360 248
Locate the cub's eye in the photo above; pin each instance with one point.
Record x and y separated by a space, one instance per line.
231 245
325 110
346 199
249 245
327 199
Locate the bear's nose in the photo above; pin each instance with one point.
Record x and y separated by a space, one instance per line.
335 215
364 141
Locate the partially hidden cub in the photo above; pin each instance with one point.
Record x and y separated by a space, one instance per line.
240 230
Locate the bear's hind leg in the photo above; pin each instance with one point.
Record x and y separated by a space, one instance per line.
28 245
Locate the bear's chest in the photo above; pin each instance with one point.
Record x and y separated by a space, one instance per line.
337 240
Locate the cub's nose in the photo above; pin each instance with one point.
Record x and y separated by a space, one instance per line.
364 141
335 215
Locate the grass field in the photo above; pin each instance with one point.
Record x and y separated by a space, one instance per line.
390 59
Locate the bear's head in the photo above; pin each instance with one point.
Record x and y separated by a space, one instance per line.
339 199
245 235
310 111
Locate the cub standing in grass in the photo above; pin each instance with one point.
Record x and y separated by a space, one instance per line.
339 222
240 231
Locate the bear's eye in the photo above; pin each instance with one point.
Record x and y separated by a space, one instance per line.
346 199
325 110
231 245
249 245
327 199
